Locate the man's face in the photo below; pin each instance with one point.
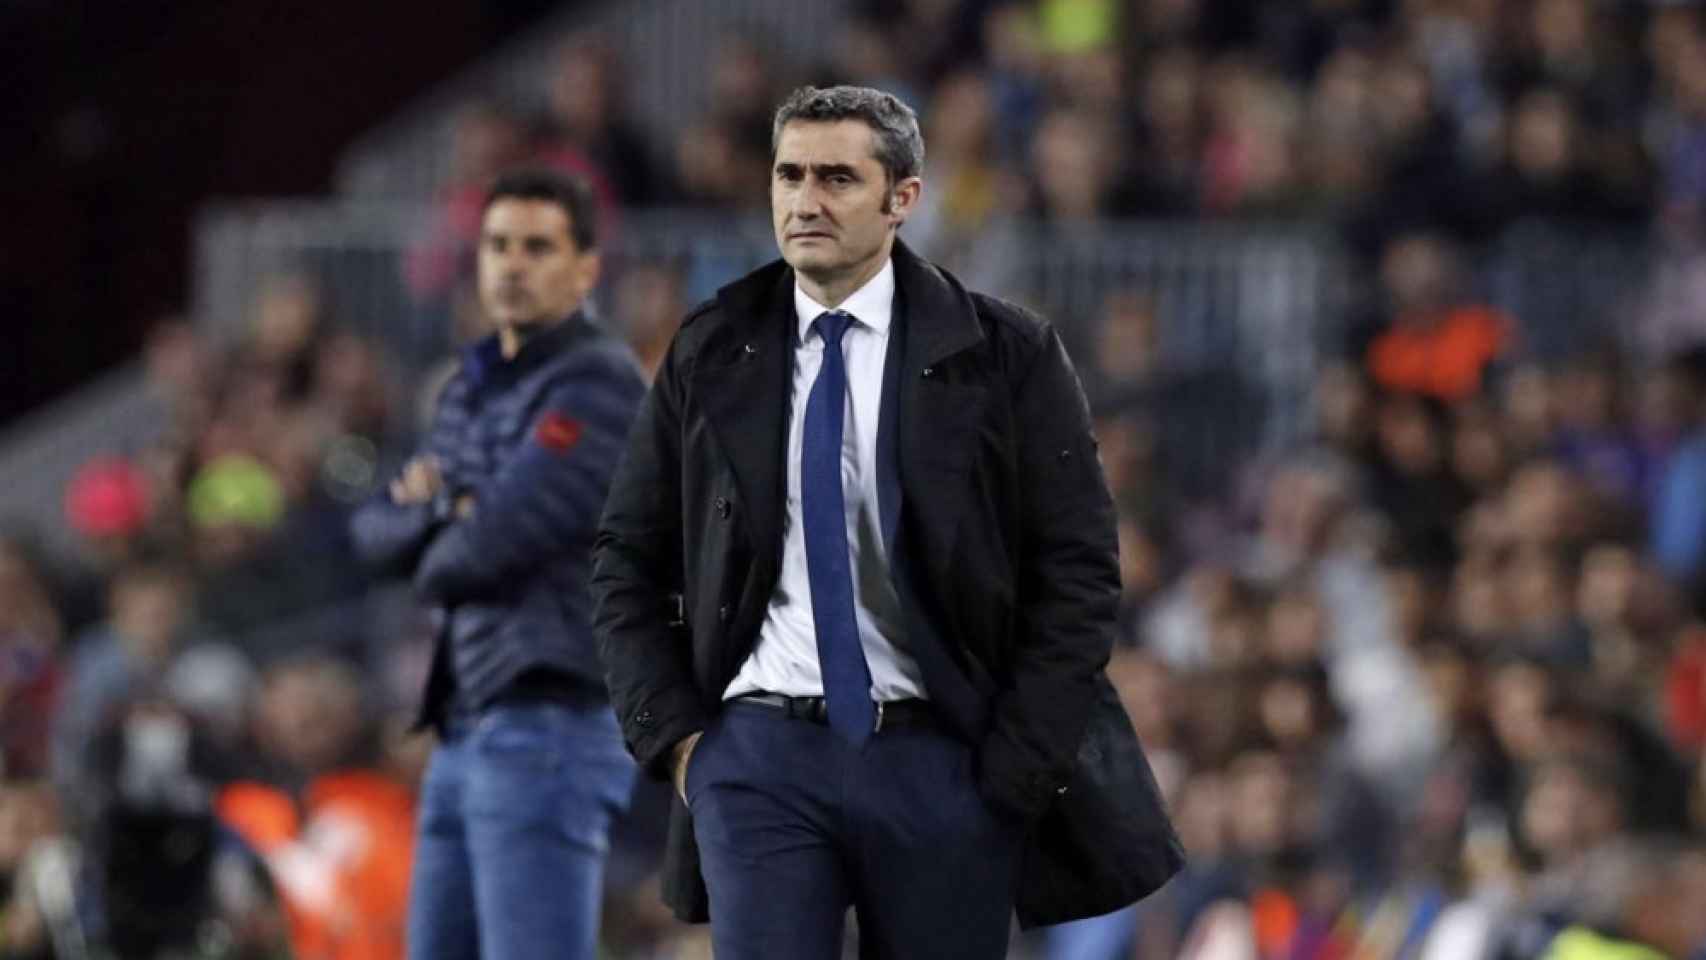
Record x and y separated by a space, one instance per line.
530 272
827 198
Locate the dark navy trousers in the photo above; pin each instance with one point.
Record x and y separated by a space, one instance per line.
794 825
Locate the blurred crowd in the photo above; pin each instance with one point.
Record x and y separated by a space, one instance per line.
1430 683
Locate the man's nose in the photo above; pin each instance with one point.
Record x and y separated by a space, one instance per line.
807 202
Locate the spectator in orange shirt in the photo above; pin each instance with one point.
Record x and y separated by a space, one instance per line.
1439 344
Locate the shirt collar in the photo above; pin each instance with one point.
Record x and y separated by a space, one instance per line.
871 304
486 360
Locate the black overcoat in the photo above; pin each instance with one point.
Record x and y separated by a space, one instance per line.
1004 557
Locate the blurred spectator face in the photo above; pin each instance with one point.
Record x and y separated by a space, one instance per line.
1538 586
1560 28
1666 402
1293 711
1127 338
1403 99
1303 501
1606 595
581 96
1478 450
1480 607
295 454
1216 711
28 815
150 605
1343 406
1418 274
1261 808
531 272
1252 155
27 615
1295 629
1012 39
1344 90
309 713
648 307
865 53
1542 130
286 319
961 118
1203 815
1408 437
1127 448
1092 80
1171 92
1528 406
1141 569
1148 693
1073 165
713 167
1670 911
1588 397
1235 637
1407 594
1452 683
1568 811
1544 504
179 366
831 202
740 75
1518 695
349 385
1166 18
484 140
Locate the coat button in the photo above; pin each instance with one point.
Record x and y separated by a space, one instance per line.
750 349
722 507
725 613
1061 790
929 371
644 718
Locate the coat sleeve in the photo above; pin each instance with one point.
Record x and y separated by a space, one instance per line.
389 537
548 495
1069 586
637 580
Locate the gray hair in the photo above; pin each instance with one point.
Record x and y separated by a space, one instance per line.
900 147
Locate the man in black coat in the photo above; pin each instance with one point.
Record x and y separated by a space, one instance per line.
856 584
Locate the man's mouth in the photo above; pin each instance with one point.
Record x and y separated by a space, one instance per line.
809 235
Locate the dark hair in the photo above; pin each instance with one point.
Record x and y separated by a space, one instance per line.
900 147
569 193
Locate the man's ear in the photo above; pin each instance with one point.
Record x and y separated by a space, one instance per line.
903 198
590 267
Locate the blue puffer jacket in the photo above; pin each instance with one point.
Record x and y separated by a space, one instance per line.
535 441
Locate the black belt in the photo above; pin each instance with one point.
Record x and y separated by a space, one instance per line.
892 713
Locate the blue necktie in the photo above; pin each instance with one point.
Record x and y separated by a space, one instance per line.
841 656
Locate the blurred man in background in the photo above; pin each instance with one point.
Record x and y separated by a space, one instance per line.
494 520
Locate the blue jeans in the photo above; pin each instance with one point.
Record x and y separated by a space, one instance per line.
513 829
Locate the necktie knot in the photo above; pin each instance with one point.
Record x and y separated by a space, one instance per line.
832 325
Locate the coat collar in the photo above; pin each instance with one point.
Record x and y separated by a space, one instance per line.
942 320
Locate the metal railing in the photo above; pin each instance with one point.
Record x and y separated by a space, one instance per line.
1243 314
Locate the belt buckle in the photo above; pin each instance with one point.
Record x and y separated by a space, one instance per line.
879 727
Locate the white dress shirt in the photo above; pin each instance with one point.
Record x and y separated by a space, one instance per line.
785 659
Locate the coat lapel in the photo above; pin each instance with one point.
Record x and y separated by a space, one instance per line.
743 384
939 413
